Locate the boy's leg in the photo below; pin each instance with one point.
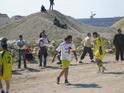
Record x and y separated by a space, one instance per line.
66 75
45 61
122 54
117 54
24 59
40 58
61 73
99 65
19 63
7 85
90 54
45 57
83 54
1 87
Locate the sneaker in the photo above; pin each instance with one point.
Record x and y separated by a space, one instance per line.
92 61
2 91
103 69
80 62
66 82
58 80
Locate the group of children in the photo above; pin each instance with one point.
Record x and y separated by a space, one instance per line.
67 47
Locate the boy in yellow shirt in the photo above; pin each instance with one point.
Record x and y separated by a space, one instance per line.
99 51
5 68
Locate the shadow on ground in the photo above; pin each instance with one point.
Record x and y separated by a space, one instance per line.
115 73
16 72
33 70
86 85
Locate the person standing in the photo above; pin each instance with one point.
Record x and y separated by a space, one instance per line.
99 51
66 48
118 42
5 68
51 4
21 44
43 42
87 48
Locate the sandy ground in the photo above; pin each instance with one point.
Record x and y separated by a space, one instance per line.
84 78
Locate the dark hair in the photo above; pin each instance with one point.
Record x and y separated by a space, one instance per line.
68 37
119 30
4 46
20 36
40 35
88 34
95 33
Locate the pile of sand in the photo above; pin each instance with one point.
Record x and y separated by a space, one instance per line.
119 24
30 26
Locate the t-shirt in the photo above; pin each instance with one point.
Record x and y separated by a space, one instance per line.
6 64
99 46
87 42
43 41
21 44
66 50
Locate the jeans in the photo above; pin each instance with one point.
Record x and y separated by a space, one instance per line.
22 54
43 56
87 50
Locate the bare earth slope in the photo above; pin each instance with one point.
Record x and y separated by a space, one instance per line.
33 24
119 24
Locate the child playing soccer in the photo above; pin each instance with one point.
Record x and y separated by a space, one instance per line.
5 68
66 48
98 51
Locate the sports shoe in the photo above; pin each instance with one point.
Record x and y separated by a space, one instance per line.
2 91
80 62
58 80
66 82
92 61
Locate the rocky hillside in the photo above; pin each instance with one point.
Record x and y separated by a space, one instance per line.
4 19
119 24
30 26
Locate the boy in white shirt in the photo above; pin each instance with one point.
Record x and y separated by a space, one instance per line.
66 48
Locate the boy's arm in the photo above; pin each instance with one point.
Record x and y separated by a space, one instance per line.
74 52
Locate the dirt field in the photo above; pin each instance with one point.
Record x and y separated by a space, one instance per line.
84 78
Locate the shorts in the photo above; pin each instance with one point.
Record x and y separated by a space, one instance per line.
98 56
7 73
65 63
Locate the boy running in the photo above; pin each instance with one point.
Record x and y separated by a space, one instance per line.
66 48
98 51
5 68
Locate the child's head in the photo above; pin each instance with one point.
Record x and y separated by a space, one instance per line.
4 46
68 39
95 34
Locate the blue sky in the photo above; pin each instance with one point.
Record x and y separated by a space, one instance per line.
74 8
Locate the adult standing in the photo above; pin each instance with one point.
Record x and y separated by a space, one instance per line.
87 48
21 44
43 42
51 4
118 42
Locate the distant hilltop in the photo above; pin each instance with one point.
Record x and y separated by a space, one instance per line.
30 26
4 19
100 22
